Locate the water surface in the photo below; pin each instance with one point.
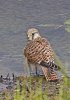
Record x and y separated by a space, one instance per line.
16 16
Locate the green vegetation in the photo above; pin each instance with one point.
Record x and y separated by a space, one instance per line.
37 88
67 24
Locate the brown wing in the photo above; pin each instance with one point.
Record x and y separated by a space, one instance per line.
38 50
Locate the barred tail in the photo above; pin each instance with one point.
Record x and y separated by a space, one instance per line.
53 77
50 76
48 70
50 64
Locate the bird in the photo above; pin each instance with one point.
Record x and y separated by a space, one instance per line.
38 50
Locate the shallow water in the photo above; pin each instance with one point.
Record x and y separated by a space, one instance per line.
16 16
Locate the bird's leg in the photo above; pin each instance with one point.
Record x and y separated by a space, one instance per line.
29 67
36 70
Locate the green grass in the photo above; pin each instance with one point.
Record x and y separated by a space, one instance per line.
36 88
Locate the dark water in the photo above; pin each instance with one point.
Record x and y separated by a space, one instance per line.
16 16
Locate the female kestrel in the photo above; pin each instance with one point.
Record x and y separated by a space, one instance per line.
38 51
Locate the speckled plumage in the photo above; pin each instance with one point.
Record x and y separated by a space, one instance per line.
38 50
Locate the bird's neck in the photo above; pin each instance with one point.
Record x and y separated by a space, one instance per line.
36 35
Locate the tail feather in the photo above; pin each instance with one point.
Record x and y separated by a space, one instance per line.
50 64
53 76
48 70
50 76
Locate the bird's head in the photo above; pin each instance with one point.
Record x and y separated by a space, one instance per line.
33 33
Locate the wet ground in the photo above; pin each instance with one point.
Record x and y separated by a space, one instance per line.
16 16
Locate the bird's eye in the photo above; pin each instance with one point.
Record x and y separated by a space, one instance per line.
32 34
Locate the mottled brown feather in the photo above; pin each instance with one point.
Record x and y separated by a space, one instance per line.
39 50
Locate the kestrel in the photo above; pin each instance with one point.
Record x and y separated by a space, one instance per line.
38 51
